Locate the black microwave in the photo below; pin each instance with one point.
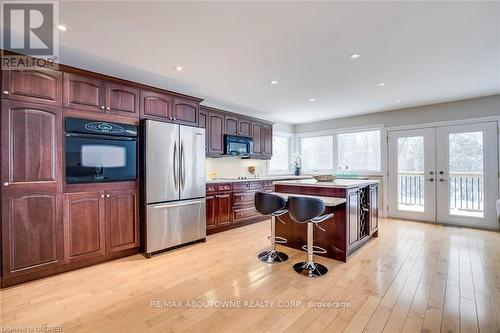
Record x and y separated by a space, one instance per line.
238 145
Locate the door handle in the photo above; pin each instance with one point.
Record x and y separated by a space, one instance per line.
442 180
183 166
189 203
175 165
430 179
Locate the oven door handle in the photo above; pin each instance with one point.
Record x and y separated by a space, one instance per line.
175 165
101 137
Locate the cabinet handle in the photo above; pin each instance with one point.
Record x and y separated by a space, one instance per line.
174 118
102 195
102 107
107 195
108 108
6 184
365 209
5 92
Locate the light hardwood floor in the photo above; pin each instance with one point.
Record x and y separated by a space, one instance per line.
414 277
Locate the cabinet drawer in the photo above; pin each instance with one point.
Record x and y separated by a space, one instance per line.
256 185
243 213
224 187
214 188
211 188
241 186
243 198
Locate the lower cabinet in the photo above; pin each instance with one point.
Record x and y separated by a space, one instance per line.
352 215
218 210
373 199
96 223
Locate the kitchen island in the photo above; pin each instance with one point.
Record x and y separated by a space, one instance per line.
355 219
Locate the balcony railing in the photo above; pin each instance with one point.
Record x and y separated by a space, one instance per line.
465 190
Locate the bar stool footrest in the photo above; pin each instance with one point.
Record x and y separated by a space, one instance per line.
316 249
278 240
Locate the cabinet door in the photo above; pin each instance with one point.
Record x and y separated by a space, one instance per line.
257 136
32 236
216 133
231 125
156 105
185 112
122 99
223 209
211 212
244 127
203 123
267 141
353 215
373 208
36 86
122 219
84 229
84 93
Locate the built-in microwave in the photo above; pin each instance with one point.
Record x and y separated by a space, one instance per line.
99 151
238 145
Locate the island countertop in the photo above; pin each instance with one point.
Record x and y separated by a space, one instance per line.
337 183
329 201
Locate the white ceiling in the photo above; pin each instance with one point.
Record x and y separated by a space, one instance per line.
425 52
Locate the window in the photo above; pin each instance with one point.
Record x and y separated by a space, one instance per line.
317 153
359 151
280 162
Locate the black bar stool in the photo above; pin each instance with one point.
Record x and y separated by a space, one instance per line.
309 210
274 205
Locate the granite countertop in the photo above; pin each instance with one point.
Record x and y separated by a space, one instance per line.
329 201
337 183
227 180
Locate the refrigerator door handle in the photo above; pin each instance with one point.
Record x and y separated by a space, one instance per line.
179 204
175 165
183 167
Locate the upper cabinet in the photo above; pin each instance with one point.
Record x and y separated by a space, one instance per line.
122 99
84 93
237 126
93 94
156 105
185 112
257 136
266 141
36 86
215 134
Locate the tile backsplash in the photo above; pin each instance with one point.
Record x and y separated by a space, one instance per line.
233 167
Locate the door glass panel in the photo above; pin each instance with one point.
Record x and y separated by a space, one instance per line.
411 173
466 181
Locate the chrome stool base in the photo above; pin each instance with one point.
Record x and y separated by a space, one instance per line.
272 256
310 269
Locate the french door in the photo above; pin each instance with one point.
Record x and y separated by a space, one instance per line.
445 174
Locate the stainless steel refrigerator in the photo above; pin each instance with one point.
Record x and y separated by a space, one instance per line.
174 191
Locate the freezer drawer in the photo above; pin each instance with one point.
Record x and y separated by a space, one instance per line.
174 223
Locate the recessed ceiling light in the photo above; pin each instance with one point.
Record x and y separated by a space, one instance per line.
273 82
179 68
355 55
62 27
398 101
381 84
312 99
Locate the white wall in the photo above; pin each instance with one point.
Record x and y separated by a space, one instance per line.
465 109
233 167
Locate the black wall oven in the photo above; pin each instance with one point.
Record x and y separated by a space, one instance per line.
100 151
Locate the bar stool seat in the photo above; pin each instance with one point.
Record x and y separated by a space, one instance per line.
309 210
273 205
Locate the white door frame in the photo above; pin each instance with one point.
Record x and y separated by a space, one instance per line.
429 213
490 172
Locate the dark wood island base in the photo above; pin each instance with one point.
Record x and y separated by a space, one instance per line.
354 223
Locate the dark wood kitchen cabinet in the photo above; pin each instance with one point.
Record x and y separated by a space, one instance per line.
266 141
223 209
155 105
211 212
31 179
84 225
215 133
218 206
84 92
185 112
35 86
122 219
203 123
244 127
237 126
122 99
257 138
